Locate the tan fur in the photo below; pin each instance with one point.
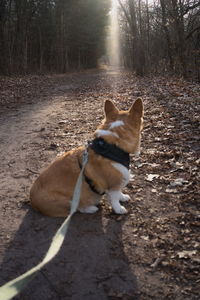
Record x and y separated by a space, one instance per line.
52 191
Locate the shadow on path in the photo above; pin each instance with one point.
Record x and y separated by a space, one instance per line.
91 264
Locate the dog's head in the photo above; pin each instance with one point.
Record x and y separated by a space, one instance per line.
122 128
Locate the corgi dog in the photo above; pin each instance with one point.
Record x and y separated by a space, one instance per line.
106 172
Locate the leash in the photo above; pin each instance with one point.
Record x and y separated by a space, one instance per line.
13 287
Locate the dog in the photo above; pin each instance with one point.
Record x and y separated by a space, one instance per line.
106 172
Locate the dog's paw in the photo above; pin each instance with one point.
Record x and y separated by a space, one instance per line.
124 197
121 210
89 209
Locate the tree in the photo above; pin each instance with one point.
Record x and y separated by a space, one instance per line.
50 35
164 35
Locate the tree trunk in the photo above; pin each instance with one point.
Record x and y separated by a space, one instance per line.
180 36
168 39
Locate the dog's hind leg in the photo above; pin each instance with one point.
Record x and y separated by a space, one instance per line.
89 209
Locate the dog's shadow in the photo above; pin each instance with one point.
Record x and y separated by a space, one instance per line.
91 264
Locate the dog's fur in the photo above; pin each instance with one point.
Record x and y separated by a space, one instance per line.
52 191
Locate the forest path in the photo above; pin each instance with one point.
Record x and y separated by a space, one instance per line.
104 256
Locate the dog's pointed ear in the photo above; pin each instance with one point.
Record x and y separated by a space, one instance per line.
110 109
136 109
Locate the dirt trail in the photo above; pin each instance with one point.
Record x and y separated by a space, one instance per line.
144 255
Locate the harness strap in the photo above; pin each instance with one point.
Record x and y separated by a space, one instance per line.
92 186
90 182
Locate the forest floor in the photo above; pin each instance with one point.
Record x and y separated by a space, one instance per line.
153 252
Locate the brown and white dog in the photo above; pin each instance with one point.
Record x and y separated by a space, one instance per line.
106 171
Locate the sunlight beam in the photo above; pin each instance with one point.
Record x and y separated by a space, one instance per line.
113 47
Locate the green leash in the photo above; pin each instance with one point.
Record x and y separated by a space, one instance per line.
13 287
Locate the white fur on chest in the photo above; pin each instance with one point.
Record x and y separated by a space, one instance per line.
124 171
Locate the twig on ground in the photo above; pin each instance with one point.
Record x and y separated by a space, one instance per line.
157 262
34 172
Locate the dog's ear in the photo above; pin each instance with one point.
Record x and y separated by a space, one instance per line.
137 108
110 109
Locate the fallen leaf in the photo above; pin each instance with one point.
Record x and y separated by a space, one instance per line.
171 191
178 182
186 253
145 238
151 177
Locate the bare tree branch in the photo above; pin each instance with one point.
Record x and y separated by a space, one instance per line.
191 32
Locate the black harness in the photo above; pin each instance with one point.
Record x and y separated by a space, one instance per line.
110 151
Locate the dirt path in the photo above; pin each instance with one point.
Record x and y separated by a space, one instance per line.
153 252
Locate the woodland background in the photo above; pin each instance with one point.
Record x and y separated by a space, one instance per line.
153 252
41 36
